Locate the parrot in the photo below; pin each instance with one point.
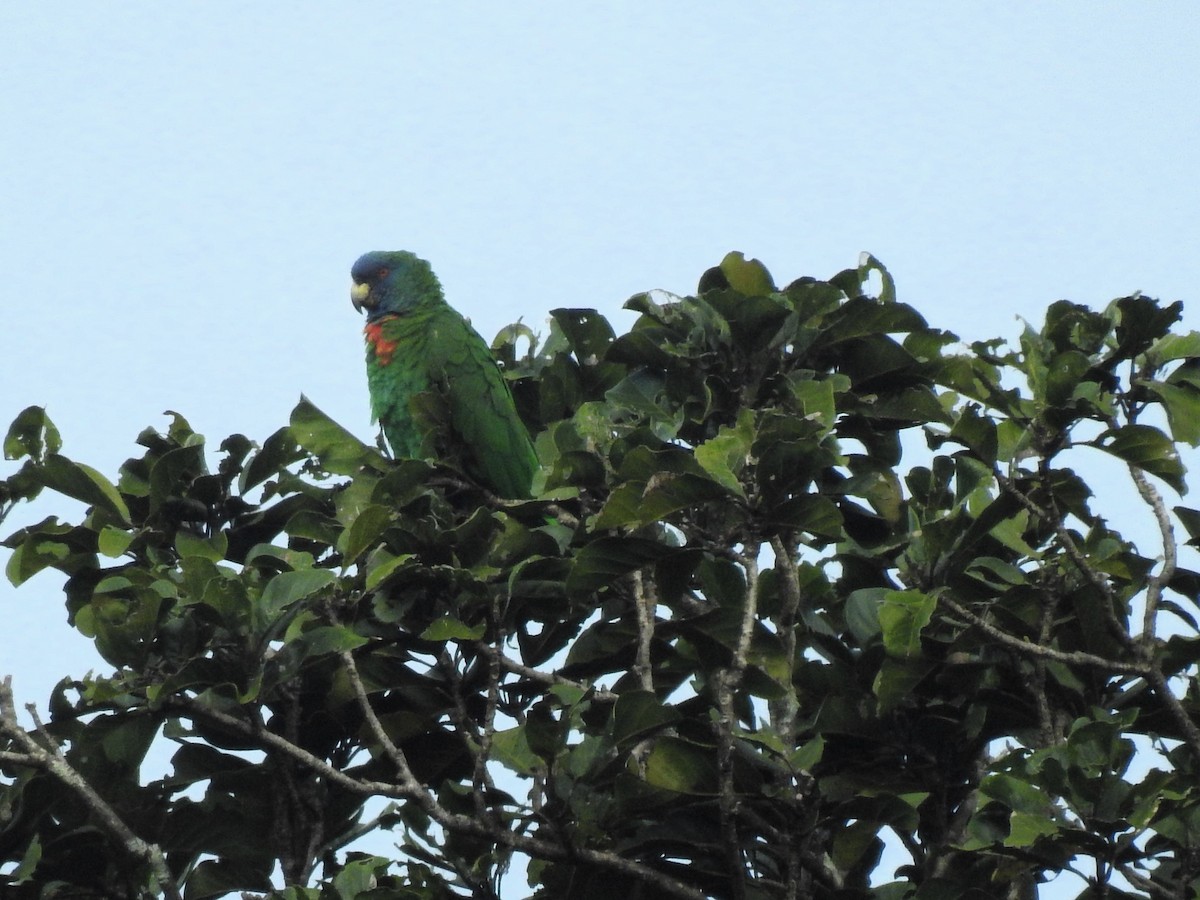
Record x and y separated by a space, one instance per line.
416 343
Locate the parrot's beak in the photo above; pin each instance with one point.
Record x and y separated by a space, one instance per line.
360 296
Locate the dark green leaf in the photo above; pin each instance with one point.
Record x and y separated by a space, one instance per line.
287 588
1147 448
339 451
31 434
902 617
681 766
638 714
83 483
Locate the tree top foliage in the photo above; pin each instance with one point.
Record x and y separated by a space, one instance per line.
801 573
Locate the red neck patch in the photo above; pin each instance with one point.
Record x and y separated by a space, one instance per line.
384 349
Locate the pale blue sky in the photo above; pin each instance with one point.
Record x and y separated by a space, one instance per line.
185 185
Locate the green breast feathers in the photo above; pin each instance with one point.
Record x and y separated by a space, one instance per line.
435 387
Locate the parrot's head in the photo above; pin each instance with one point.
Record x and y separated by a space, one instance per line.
392 283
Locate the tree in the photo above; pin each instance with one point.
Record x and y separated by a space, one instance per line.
735 642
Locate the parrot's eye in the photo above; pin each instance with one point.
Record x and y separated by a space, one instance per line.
384 272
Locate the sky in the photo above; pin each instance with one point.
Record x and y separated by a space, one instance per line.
185 186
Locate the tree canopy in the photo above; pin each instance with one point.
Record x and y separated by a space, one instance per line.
802 576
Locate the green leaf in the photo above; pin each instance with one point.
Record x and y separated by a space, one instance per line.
854 842
1072 326
127 741
1145 447
977 432
812 513
807 754
44 545
324 639
1063 374
862 613
724 456
1017 794
219 877
113 541
382 564
606 559
1143 322
359 877
448 628
31 434
1025 829
82 483
1190 519
587 332
511 748
23 874
868 264
1182 402
287 588
746 276
915 404
665 494
817 400
681 766
1174 346
897 679
864 317
213 548
277 452
638 714
995 572
902 616
364 531
339 450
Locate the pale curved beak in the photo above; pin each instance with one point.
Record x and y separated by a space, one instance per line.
360 296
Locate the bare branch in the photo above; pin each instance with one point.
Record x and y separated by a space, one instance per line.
550 679
1191 733
408 782
645 602
1050 732
1146 885
52 760
726 682
415 792
1156 582
481 749
789 586
362 829
1095 578
1039 651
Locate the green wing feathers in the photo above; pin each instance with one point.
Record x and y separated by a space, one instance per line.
481 408
437 351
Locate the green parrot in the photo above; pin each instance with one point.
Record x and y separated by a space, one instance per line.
417 343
